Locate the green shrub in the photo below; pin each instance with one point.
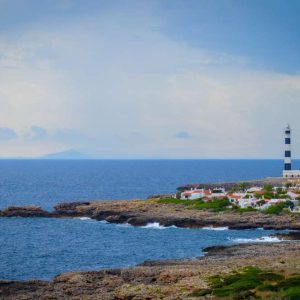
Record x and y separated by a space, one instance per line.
275 209
200 293
247 209
292 293
215 205
177 201
254 282
268 188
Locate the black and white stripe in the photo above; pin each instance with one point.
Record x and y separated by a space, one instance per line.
288 151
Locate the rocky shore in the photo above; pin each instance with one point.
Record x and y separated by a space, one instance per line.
171 279
142 212
274 181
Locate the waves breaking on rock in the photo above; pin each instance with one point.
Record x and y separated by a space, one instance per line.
215 228
263 239
156 225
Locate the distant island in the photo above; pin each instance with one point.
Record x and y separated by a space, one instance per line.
68 154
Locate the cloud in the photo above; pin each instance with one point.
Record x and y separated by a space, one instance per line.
7 134
69 135
183 135
115 85
36 133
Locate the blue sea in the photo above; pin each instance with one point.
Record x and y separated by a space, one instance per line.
42 248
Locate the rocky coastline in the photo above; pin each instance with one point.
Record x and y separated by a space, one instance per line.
274 181
170 279
143 212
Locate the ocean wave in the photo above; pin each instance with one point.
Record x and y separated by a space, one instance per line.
263 239
104 222
156 225
84 218
124 225
215 228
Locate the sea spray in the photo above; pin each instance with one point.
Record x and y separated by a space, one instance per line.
263 239
215 228
156 225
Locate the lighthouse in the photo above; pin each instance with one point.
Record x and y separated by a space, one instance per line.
287 171
288 150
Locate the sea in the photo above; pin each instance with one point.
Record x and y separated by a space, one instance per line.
41 248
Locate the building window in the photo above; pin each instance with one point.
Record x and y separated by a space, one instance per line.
287 132
287 153
287 141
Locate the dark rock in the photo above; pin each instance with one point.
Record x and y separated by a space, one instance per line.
290 236
243 226
214 249
24 211
70 209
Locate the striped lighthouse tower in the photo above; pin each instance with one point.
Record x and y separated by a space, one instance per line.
288 151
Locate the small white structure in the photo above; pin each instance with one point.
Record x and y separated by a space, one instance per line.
293 195
291 174
254 189
275 201
234 198
247 202
193 194
296 209
218 193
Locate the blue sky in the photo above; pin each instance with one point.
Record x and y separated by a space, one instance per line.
149 79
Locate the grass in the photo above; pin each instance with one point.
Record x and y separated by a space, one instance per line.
244 210
252 283
215 205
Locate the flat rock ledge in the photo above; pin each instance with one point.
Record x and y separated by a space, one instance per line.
143 212
24 211
170 279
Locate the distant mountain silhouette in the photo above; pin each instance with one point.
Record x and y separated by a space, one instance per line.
68 154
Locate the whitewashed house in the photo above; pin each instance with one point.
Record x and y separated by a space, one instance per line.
193 194
248 202
293 195
218 193
254 189
296 209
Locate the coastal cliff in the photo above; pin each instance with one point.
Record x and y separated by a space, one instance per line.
170 279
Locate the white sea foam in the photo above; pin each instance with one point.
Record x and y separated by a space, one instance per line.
156 225
104 222
124 225
215 228
84 218
263 239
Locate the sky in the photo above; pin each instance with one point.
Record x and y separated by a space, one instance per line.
149 79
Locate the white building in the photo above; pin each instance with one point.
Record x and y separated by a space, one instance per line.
254 189
193 194
247 202
218 193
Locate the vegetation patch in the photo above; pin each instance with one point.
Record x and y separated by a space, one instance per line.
244 210
275 209
215 205
252 283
